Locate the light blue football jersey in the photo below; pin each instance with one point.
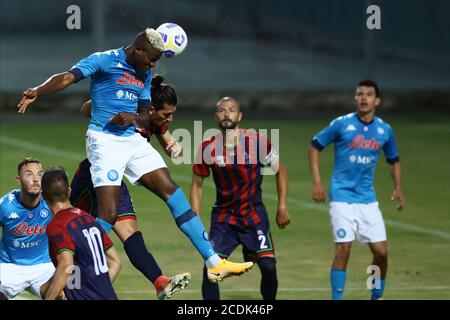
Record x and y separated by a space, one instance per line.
357 149
24 237
115 87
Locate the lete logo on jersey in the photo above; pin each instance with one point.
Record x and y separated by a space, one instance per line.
359 142
23 229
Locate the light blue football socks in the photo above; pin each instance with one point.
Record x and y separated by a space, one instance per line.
337 283
191 225
378 293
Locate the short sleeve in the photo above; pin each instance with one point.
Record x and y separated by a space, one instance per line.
87 67
390 148
328 135
59 239
200 167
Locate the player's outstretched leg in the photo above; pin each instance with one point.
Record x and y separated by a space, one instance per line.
160 182
269 281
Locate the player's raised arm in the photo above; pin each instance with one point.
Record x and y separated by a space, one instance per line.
318 192
55 83
283 218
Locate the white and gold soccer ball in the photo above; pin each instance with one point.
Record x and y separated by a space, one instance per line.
174 37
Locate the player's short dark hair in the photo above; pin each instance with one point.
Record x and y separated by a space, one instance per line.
26 161
370 83
55 185
162 93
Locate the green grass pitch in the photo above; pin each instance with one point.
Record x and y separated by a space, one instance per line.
418 237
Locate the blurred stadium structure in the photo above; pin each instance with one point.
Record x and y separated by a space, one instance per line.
303 55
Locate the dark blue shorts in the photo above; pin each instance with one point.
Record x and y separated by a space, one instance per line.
256 241
83 194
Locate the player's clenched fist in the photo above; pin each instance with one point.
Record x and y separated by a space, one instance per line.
28 96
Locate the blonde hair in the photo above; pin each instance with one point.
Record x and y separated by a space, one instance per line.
155 39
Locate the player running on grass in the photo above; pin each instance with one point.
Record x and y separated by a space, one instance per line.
120 93
164 101
359 138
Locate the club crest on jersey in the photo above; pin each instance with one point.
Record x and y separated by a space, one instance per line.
341 233
43 213
220 161
113 175
359 142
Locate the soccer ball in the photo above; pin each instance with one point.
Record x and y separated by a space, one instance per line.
174 37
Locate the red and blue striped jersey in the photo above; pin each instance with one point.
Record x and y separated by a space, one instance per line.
78 232
237 173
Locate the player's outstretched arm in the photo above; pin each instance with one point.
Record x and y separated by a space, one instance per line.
55 83
59 282
195 193
318 192
283 218
114 264
396 179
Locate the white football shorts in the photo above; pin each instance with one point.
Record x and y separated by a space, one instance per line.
16 278
112 157
360 221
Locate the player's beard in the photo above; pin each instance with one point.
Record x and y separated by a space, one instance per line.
231 124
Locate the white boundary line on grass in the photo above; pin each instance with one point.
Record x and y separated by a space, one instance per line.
431 288
298 203
348 289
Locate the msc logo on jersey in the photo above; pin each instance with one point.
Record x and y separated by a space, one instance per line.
360 159
341 233
43 213
122 94
113 175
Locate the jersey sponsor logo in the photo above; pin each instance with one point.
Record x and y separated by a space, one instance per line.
23 229
26 245
121 94
359 142
13 215
380 131
128 79
360 159
11 197
350 127
119 65
43 213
